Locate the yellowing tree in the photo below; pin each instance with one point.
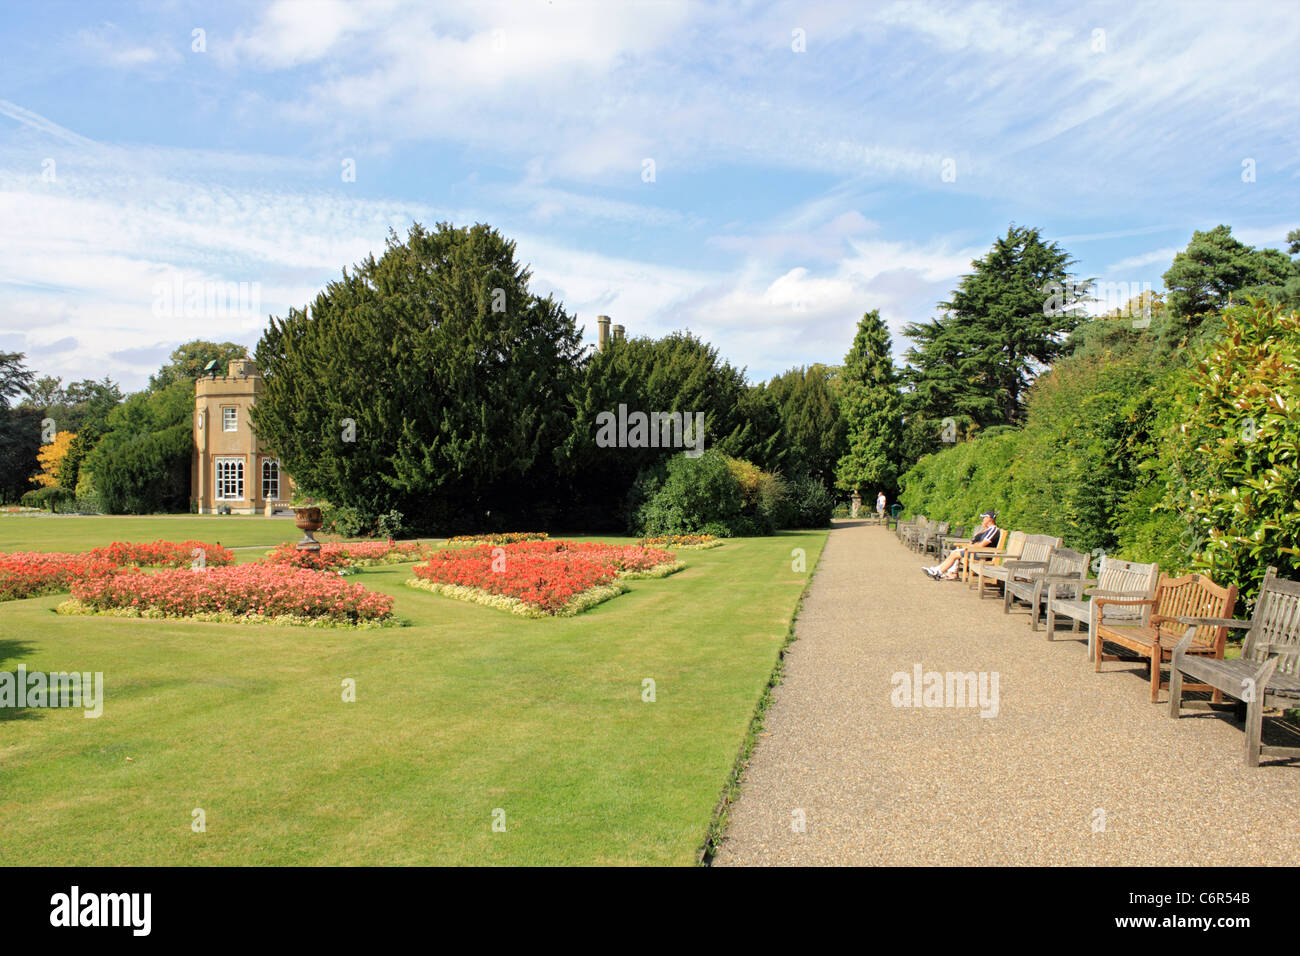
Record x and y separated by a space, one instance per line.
51 456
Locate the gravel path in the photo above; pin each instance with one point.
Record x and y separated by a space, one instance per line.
1067 751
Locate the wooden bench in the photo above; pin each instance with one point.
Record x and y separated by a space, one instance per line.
1033 554
932 537
1266 675
1193 595
1010 544
1064 571
1115 579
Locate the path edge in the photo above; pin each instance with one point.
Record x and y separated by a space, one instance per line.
717 830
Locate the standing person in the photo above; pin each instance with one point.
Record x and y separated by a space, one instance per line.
880 505
985 539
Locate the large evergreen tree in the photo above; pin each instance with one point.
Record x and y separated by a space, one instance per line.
1007 320
1214 267
872 411
430 381
20 428
678 373
811 427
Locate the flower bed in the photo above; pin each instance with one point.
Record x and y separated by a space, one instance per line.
164 554
259 593
371 553
339 556
682 542
25 574
286 555
540 578
504 537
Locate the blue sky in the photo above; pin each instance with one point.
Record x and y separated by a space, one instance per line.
793 189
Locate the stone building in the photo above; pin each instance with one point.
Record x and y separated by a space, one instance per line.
230 469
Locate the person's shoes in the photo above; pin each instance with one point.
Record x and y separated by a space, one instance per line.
929 572
933 571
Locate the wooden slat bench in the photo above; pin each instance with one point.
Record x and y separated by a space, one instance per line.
1193 595
1009 546
1064 572
1266 675
1034 553
1115 579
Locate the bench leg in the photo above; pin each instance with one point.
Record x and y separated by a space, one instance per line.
1155 674
1254 730
1175 689
1051 620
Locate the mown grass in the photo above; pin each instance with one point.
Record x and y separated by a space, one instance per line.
465 711
82 532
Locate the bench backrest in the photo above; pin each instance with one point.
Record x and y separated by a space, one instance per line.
1038 547
1009 543
1275 625
1193 595
1140 579
1064 561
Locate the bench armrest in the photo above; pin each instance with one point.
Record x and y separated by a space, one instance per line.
1094 592
1214 622
1025 564
1101 602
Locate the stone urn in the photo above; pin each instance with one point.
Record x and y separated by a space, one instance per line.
308 520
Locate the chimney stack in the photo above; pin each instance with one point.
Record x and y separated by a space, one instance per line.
602 335
618 333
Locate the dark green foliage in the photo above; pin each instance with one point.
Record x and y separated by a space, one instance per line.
1214 267
1005 323
52 498
808 504
697 496
188 361
1231 468
456 376
675 374
871 406
20 428
810 435
141 465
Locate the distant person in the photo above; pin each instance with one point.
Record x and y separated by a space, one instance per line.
880 505
985 539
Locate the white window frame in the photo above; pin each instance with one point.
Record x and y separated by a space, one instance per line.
232 481
270 479
229 418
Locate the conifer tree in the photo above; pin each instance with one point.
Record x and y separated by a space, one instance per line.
872 410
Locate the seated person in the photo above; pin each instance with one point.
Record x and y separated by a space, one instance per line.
985 539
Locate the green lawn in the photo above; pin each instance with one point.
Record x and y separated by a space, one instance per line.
467 710
82 532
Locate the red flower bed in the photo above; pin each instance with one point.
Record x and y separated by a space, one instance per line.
164 554
25 574
544 575
336 556
287 555
241 591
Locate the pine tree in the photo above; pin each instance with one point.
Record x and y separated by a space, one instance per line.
872 410
1006 321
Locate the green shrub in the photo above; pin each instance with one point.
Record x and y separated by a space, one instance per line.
808 504
697 496
51 497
